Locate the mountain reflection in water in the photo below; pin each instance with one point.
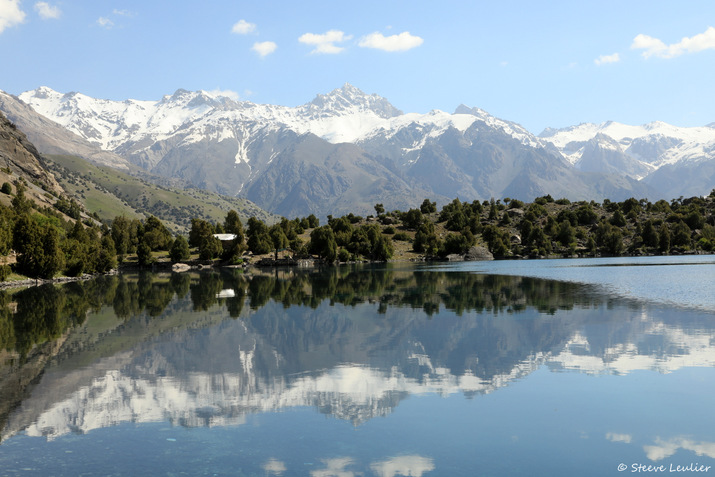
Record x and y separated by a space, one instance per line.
207 349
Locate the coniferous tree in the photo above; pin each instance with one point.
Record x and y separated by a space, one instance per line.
179 250
200 229
565 234
20 204
382 248
313 221
107 259
525 229
257 238
121 235
156 235
664 238
39 251
412 218
6 220
428 207
618 220
681 235
649 235
210 247
278 239
76 257
53 257
322 243
233 225
426 240
144 255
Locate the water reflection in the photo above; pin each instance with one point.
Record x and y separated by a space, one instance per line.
412 465
204 350
403 465
662 448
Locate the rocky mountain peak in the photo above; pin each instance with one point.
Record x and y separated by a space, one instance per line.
349 99
44 92
464 109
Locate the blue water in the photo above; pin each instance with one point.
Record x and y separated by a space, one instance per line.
457 369
687 280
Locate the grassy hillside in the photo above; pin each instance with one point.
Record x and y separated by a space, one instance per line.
108 193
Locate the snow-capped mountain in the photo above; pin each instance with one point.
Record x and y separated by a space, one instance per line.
52 138
675 161
346 150
344 115
655 143
637 151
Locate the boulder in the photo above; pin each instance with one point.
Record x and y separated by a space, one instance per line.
478 253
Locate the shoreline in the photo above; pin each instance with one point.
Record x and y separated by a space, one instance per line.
263 263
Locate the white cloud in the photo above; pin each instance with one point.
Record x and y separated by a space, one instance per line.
105 22
47 11
10 14
605 59
325 43
123 13
242 27
402 42
655 47
264 48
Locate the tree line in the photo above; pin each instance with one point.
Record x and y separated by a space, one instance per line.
47 243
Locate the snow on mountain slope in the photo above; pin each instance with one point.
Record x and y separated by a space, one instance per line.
344 115
264 152
654 144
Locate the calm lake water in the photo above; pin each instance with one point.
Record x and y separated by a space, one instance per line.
590 367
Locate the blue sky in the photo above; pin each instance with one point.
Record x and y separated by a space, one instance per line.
540 64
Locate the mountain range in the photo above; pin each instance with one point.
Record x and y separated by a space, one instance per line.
346 150
101 191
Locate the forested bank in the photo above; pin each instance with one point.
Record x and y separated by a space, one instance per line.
48 242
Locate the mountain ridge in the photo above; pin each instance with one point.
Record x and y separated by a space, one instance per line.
227 146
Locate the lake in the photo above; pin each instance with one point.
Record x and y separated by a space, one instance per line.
590 367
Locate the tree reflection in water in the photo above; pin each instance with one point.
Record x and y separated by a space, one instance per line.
40 314
209 349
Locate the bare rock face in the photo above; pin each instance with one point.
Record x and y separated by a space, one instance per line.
20 156
478 253
51 138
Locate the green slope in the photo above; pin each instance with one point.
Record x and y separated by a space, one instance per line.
110 193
